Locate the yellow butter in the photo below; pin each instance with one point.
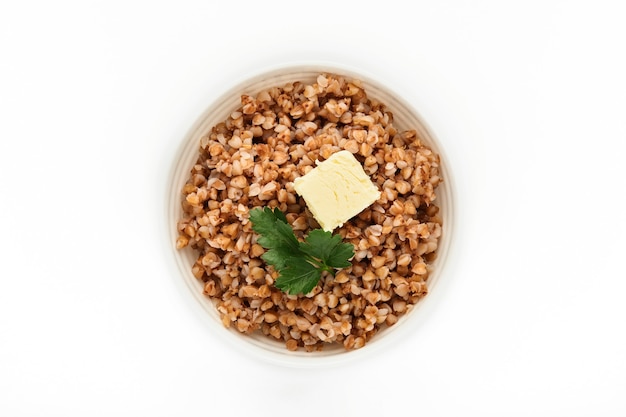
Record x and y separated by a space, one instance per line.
336 190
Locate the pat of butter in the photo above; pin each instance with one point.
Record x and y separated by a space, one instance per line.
336 190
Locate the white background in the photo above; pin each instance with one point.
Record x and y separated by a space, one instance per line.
528 99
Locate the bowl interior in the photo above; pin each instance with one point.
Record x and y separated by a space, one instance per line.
405 117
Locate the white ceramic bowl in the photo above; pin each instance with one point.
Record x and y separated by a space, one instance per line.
405 117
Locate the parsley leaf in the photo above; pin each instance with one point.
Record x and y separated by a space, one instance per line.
299 277
328 249
299 264
276 235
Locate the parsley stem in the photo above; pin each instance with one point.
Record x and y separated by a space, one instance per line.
320 264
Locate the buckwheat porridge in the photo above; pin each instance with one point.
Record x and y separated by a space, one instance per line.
252 159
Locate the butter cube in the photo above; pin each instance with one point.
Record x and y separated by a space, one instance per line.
336 190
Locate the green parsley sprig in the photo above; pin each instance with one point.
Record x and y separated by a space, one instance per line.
299 264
